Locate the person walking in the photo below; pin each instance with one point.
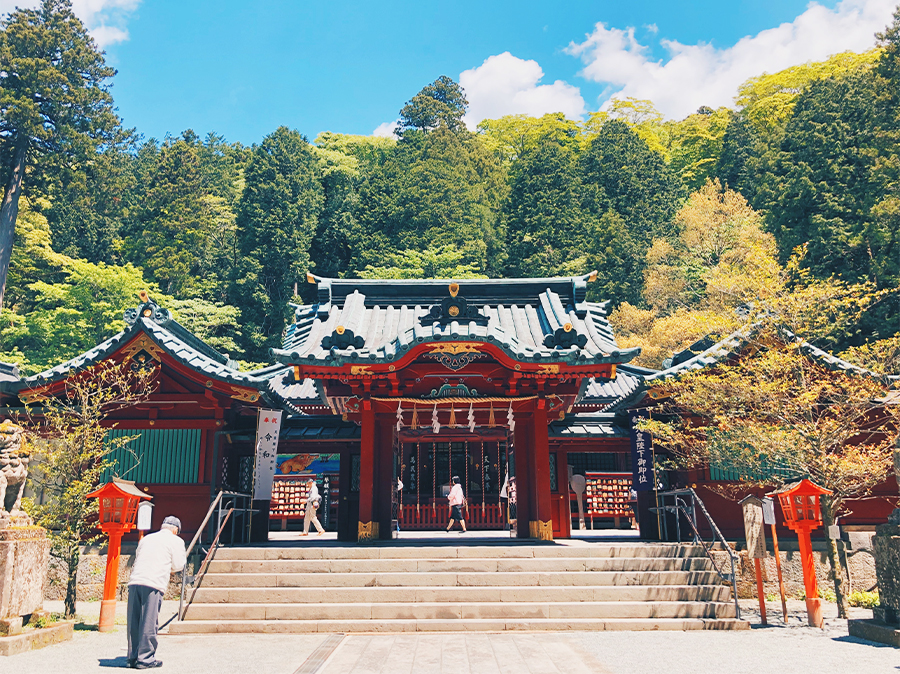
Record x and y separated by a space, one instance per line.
312 504
457 499
157 556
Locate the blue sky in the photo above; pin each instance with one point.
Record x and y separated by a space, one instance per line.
242 69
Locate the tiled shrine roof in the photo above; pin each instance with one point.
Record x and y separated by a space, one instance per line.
531 320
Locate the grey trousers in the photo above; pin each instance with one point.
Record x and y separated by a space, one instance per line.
143 615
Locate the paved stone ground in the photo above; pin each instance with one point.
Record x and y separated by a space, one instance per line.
792 649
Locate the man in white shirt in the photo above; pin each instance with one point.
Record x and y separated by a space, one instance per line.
157 556
456 499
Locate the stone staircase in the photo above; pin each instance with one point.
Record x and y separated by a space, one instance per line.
394 588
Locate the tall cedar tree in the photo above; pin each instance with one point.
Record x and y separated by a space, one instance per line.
544 223
622 176
277 218
439 186
55 107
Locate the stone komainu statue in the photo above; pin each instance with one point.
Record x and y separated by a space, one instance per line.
13 467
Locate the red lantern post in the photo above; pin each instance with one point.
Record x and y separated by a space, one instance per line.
118 510
803 513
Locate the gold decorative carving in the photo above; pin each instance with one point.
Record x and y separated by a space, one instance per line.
454 291
567 327
360 369
247 395
368 531
548 369
456 347
453 310
142 343
542 531
455 355
340 329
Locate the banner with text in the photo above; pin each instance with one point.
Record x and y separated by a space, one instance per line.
641 455
268 426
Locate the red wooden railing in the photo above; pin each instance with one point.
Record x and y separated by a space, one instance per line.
491 516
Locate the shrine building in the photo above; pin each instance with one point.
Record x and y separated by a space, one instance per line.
386 390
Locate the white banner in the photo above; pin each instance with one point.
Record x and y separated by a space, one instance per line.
268 426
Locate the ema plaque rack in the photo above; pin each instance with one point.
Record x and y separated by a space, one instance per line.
608 495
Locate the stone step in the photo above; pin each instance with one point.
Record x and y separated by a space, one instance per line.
474 565
460 611
443 579
507 551
344 595
439 625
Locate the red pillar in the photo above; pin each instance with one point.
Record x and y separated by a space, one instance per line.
384 474
368 525
523 436
110 584
810 583
542 525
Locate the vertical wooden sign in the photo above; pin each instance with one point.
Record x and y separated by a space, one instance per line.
755 535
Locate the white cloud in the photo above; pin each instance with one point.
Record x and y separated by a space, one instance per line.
506 85
105 19
700 74
387 129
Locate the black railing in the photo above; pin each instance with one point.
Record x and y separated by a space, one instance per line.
683 504
230 508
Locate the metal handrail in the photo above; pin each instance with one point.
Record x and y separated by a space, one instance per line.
203 566
680 506
216 503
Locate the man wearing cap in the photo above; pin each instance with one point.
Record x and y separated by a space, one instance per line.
157 556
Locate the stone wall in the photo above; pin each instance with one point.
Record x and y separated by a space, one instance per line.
860 560
91 573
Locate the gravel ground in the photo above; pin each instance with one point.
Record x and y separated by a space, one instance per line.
793 649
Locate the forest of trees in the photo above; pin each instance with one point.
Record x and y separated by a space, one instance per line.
794 190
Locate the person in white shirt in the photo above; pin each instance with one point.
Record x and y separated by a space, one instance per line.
312 504
456 499
157 556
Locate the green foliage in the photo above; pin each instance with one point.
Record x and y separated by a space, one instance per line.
620 173
442 104
444 262
65 318
184 233
55 107
277 217
544 220
73 453
768 100
863 599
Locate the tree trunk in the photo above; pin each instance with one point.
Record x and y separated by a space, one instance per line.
9 210
837 573
72 561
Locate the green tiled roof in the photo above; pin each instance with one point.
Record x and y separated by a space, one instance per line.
379 321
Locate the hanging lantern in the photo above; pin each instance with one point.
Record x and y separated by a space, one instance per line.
471 418
435 424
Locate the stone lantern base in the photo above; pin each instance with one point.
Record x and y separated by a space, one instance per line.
24 556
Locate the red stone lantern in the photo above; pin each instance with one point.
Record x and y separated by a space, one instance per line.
118 511
803 513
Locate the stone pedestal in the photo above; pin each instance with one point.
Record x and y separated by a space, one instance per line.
886 546
24 555
886 625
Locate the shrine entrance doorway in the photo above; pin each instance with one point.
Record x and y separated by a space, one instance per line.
484 466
